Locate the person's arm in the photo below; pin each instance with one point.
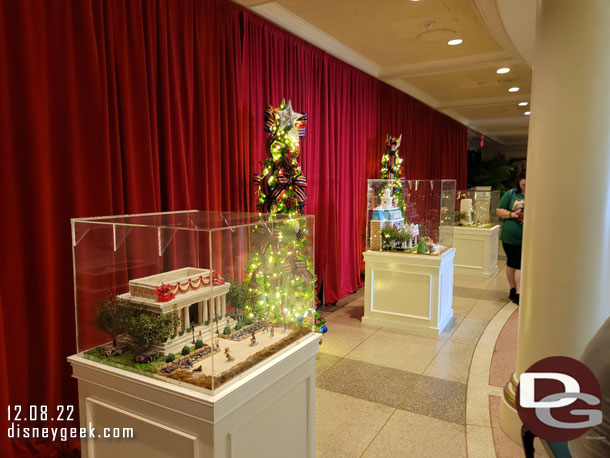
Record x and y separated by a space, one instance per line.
503 207
505 214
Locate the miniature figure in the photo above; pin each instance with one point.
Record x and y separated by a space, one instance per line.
265 327
198 369
228 355
272 332
253 339
217 346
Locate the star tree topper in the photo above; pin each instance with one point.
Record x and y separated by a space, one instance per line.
287 115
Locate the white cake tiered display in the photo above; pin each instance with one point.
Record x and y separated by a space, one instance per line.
385 216
466 211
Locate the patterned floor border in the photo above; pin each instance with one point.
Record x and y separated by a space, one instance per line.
479 434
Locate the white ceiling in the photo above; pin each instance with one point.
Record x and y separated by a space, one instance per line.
404 43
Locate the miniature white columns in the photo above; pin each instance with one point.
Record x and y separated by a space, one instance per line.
204 306
218 305
187 318
565 288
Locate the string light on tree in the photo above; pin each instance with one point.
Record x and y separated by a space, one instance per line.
280 271
281 186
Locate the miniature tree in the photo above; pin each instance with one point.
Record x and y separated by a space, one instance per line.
391 169
148 329
279 272
112 318
240 296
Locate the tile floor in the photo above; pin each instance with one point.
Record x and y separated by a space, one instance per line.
391 394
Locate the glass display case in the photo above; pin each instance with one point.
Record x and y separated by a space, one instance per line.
197 298
477 208
410 216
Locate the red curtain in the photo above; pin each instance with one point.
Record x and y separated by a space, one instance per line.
117 106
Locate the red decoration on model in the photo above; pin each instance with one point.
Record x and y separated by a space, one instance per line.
167 292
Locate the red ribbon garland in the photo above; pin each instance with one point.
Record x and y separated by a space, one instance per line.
167 292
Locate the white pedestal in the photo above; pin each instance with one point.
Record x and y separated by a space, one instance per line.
269 413
409 291
477 250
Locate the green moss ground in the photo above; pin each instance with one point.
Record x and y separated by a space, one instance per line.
125 361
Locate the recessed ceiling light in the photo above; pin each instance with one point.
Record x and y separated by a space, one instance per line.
455 42
522 104
503 70
527 113
513 89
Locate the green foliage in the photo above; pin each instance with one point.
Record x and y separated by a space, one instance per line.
227 330
496 172
181 333
170 357
238 326
279 271
185 350
112 317
207 322
198 344
147 329
391 166
240 296
125 361
391 235
281 170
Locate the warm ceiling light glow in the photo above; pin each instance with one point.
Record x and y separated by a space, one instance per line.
527 113
503 70
522 104
455 42
513 89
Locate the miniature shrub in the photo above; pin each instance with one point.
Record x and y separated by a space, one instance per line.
147 329
207 322
227 330
198 344
173 336
181 333
238 326
185 350
170 357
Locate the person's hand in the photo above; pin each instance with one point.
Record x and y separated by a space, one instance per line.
518 213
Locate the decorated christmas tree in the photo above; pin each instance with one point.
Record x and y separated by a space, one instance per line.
279 273
391 169
281 186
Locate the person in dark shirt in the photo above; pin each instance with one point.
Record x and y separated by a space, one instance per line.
511 208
